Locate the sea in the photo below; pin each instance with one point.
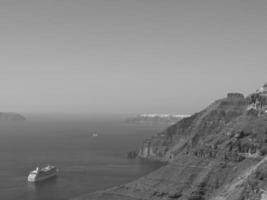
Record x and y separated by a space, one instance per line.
86 163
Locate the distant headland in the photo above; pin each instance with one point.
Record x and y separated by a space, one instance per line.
10 116
156 118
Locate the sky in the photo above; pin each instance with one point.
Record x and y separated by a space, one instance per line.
129 56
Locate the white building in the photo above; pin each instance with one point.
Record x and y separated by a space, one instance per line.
263 89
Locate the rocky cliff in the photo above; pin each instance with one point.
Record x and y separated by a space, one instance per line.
219 153
193 131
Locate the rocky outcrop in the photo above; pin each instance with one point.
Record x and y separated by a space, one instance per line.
219 153
11 117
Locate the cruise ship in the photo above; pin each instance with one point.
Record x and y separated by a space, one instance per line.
94 135
42 174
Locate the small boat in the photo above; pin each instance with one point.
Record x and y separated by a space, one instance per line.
42 174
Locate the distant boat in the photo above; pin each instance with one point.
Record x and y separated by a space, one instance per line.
42 174
94 135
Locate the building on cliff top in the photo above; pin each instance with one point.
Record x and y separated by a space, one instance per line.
263 89
258 100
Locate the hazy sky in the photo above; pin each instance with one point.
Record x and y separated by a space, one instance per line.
129 56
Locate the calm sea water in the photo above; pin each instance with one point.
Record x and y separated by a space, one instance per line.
86 163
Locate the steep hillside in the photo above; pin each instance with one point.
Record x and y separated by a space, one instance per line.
193 131
219 153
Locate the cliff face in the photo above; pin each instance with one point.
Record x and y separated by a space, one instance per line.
219 153
194 130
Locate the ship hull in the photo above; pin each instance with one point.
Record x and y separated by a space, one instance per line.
43 174
39 179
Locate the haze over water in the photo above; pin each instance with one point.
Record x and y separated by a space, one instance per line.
85 163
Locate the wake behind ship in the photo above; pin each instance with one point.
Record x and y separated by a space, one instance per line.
42 174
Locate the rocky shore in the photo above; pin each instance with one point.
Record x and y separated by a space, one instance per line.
219 153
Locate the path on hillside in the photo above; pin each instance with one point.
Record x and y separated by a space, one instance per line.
230 190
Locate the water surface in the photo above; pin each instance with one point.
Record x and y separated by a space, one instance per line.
86 163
